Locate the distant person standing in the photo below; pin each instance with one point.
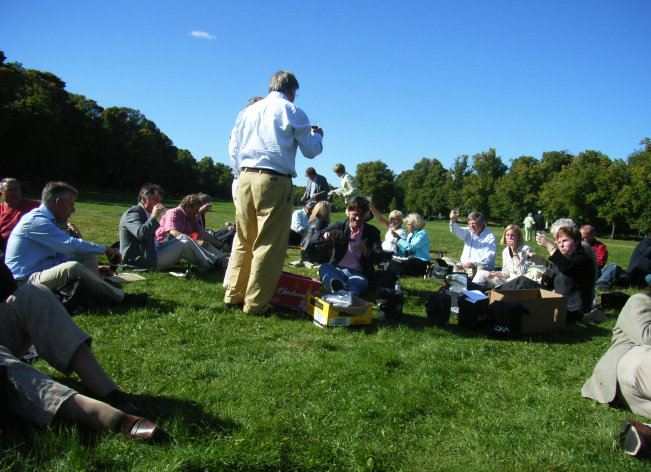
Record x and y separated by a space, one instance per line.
539 219
317 186
348 188
529 226
263 144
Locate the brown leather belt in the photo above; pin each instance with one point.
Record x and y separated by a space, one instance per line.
256 170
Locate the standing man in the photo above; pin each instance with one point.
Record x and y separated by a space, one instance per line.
529 226
12 209
348 188
317 186
539 219
263 143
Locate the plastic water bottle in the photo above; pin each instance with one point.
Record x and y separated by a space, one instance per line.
398 284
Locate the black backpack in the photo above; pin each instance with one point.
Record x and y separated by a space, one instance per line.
438 309
391 302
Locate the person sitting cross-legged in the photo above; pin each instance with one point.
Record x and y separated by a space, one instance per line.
357 248
33 315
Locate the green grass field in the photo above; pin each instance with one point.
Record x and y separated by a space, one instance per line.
240 392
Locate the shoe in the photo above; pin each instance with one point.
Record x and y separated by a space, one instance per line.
601 288
336 285
30 356
296 264
309 265
637 438
138 299
236 306
134 427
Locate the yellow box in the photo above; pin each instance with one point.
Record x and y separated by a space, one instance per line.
324 314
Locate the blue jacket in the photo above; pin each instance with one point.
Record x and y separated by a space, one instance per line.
416 245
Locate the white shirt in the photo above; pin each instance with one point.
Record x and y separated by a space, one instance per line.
267 134
300 221
480 249
389 240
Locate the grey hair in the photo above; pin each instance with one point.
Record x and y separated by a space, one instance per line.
283 81
562 222
205 198
54 190
415 220
9 180
475 215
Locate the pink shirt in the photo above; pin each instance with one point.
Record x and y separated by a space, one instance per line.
351 259
176 219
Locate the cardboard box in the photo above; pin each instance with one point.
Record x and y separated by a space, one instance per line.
324 314
547 310
291 291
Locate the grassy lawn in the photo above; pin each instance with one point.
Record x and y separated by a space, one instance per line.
240 392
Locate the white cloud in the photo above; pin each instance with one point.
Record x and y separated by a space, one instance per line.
202 34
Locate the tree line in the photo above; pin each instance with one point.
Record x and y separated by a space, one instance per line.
48 133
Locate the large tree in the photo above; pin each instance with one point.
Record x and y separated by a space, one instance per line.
375 179
487 168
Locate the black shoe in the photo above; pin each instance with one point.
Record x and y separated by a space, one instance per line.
30 356
234 306
138 299
336 285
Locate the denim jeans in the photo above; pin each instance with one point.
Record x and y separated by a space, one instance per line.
608 275
353 278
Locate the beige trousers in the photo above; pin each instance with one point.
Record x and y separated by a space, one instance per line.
264 213
634 379
60 275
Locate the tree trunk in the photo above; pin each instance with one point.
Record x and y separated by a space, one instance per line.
612 235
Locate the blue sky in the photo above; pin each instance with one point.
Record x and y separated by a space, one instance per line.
389 81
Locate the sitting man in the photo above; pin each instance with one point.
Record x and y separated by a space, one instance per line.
138 243
32 315
623 373
588 233
12 209
639 269
357 247
480 244
183 220
300 222
39 252
317 186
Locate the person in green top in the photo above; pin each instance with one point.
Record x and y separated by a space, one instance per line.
348 188
529 227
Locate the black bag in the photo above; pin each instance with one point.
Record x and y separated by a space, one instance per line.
505 319
439 269
438 309
76 297
472 315
411 266
614 300
521 283
391 302
384 279
4 399
226 236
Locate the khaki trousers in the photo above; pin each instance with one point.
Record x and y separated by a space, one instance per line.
264 213
634 379
60 275
33 315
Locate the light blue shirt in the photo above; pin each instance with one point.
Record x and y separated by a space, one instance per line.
37 244
267 134
416 245
300 221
